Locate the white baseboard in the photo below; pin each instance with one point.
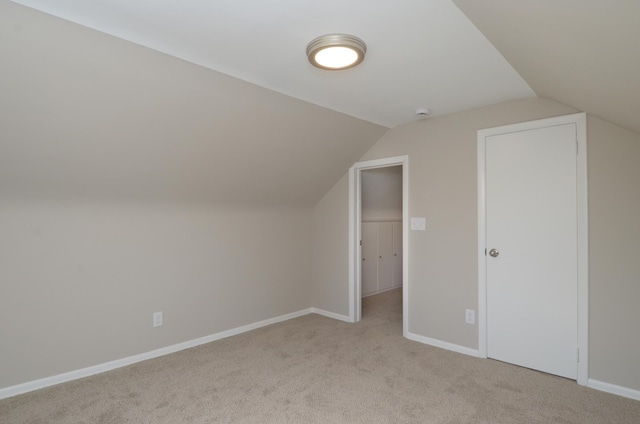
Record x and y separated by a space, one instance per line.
330 314
118 363
594 384
107 366
443 345
613 389
382 291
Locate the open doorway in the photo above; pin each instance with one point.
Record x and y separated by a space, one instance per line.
381 243
381 213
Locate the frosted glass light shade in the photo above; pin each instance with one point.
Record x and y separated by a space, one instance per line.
336 51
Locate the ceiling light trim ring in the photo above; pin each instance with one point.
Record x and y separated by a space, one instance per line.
336 40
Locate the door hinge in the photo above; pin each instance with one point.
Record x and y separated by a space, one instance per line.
485 251
576 147
577 354
360 242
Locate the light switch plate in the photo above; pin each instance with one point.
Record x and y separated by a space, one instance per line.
418 224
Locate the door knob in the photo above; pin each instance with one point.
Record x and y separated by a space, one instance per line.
494 253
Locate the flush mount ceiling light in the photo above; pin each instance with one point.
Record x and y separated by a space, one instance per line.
334 52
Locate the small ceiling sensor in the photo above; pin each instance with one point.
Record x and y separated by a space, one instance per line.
423 112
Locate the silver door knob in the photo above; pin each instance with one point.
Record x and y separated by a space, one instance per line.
494 253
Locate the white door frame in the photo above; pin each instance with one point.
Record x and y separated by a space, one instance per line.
355 235
580 119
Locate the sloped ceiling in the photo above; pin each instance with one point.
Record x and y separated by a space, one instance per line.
420 53
84 116
583 53
214 100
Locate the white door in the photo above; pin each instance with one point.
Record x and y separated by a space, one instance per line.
385 255
531 263
369 258
397 254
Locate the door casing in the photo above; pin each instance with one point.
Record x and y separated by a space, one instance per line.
580 120
355 235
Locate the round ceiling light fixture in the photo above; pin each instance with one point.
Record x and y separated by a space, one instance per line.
334 52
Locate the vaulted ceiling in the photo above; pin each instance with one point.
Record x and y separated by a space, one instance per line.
583 53
210 100
420 53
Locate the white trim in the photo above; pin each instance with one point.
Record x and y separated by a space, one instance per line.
118 363
482 256
443 345
583 249
614 389
355 216
328 314
354 234
580 119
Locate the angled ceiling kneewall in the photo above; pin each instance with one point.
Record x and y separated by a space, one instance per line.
580 53
420 54
87 114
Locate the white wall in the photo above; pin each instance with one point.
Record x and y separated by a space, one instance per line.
81 279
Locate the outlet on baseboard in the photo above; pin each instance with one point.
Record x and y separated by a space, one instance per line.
470 316
157 319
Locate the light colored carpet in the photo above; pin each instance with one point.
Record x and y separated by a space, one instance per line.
314 369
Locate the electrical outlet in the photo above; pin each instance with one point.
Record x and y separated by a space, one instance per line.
157 319
470 316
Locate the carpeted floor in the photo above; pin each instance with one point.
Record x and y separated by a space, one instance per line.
314 369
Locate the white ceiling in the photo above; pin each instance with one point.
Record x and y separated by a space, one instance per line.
420 53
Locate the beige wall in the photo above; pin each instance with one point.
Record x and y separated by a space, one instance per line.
443 259
442 187
614 254
116 201
330 250
80 280
381 194
84 114
133 182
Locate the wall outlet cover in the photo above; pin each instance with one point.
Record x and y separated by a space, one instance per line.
470 316
418 224
157 319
